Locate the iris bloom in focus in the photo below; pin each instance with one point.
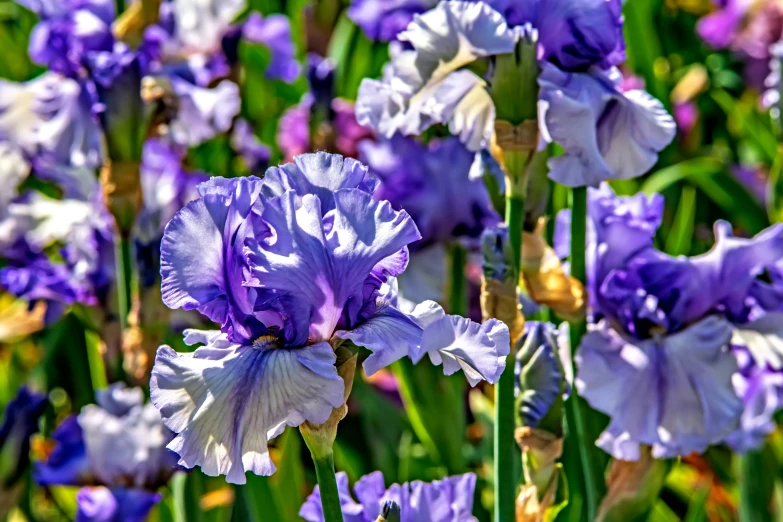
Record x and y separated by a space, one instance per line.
290 267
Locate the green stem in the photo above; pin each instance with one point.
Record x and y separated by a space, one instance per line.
458 288
330 498
756 485
575 409
505 483
124 278
505 459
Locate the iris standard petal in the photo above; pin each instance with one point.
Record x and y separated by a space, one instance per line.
317 279
274 31
423 86
201 251
447 500
312 509
201 24
226 403
319 173
684 399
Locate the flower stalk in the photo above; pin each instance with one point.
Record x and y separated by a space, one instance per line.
320 440
499 299
592 482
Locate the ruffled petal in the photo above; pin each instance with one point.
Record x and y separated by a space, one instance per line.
684 399
320 174
424 86
226 403
479 350
127 449
389 335
192 260
118 399
728 270
203 112
201 254
607 134
50 117
453 34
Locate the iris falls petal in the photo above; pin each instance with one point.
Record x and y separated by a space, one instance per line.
226 403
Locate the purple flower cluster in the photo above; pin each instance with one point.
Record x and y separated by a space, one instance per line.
447 500
19 423
117 451
290 267
674 328
579 43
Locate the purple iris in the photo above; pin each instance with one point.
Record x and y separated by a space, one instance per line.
19 423
291 266
117 451
447 500
579 42
70 32
200 41
85 270
426 179
50 120
666 325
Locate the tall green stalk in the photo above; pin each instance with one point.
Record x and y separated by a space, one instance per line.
505 457
327 483
458 286
124 267
592 483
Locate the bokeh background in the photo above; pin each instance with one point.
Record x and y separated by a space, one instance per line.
723 164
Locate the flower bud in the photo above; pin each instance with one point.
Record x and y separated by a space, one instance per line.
390 512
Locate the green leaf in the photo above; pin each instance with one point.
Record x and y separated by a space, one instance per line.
435 408
756 484
748 121
288 482
644 44
678 241
708 174
696 507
